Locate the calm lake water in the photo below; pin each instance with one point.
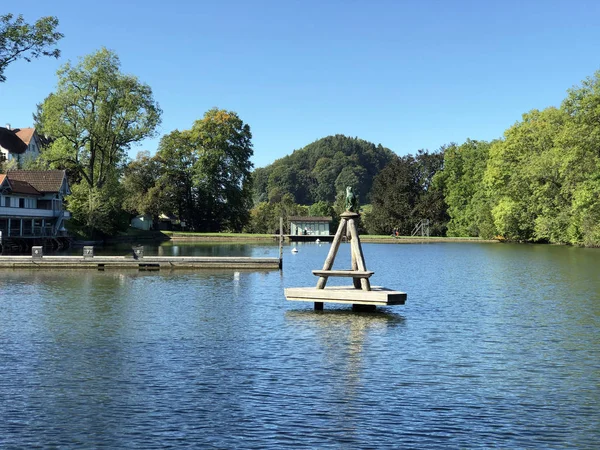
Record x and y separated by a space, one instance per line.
497 346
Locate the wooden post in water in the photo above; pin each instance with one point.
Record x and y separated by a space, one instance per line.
335 245
280 243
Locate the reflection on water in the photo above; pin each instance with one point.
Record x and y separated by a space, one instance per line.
497 346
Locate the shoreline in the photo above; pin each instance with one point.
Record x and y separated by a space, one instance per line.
364 238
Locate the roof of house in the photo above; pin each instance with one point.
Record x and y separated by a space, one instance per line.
2 177
22 187
40 180
310 218
25 134
11 141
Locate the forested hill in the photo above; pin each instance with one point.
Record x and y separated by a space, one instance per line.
323 169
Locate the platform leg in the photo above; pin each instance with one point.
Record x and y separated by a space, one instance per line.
318 306
332 252
364 308
358 258
355 281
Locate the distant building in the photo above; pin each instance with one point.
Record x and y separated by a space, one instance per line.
22 144
142 222
309 226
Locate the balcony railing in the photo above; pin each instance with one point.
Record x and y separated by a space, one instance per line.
28 212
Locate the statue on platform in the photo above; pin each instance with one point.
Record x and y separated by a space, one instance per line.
351 200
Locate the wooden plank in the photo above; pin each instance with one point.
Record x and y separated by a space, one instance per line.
347 294
332 252
122 262
343 273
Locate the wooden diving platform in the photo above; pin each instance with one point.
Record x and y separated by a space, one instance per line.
361 295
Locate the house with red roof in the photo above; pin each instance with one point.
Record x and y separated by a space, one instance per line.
32 203
20 144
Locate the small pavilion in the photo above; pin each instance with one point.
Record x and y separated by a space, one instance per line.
310 226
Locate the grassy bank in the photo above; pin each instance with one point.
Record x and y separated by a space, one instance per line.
418 239
189 236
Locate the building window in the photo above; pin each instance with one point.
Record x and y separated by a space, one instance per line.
21 203
7 202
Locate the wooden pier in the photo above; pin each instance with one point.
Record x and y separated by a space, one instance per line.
136 261
361 295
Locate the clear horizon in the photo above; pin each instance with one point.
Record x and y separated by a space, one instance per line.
403 75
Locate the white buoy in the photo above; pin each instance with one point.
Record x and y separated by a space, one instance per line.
318 241
294 250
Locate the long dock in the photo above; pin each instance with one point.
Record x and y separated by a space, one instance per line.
143 263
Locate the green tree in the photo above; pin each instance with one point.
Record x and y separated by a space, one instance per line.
461 182
321 209
404 193
580 168
393 198
206 177
94 116
222 172
20 40
264 217
142 182
524 181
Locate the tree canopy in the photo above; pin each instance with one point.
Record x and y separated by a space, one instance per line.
20 40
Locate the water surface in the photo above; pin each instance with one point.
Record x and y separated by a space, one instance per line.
497 346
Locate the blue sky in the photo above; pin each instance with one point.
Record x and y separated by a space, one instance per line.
406 74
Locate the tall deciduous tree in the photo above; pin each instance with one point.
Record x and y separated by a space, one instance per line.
461 181
20 40
207 172
222 172
523 177
94 116
177 157
143 191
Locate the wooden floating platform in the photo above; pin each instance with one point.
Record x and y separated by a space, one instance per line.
145 263
361 295
377 296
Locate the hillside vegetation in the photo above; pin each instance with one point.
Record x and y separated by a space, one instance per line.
321 170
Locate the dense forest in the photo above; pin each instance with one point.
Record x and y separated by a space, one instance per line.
321 170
